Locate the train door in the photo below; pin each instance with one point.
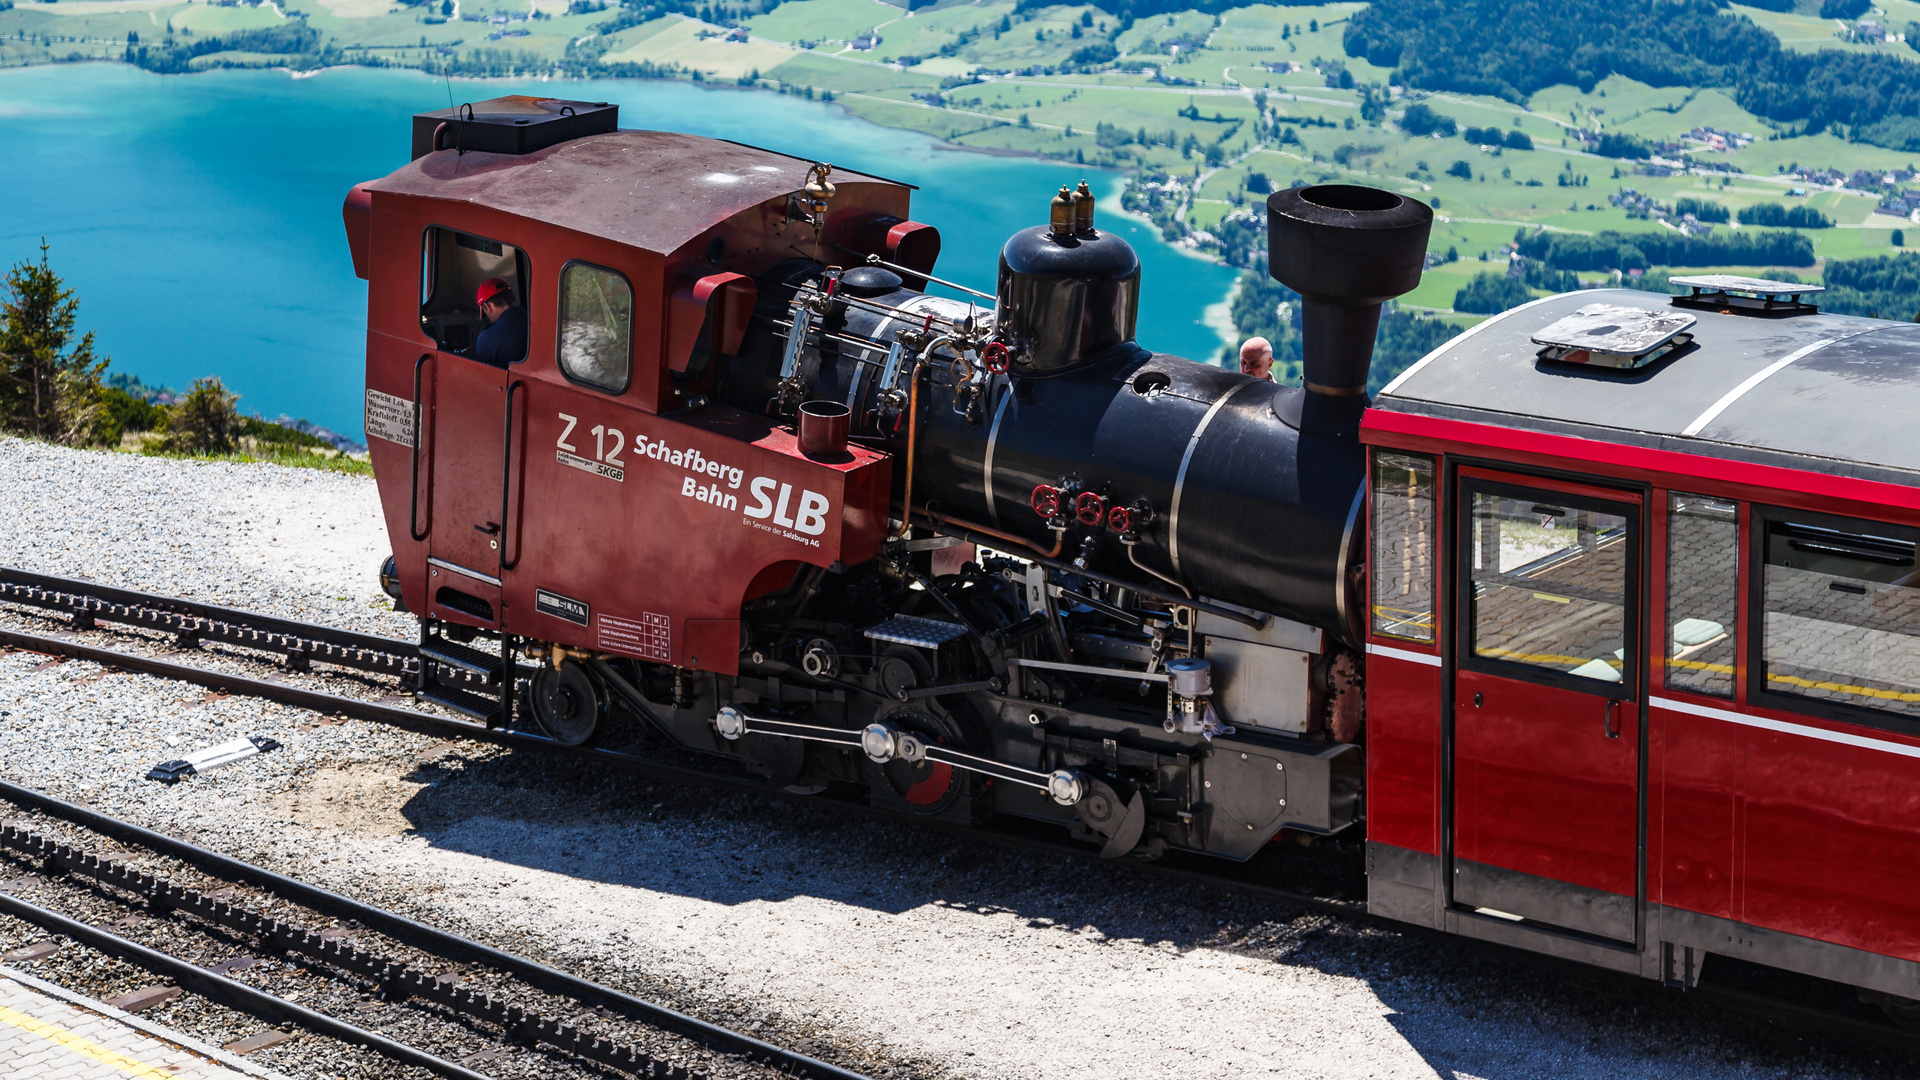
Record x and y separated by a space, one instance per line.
463 565
1546 732
469 434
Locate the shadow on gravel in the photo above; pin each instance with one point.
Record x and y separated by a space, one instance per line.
1469 1009
594 823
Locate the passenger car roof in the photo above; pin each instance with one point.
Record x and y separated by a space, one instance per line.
653 190
1829 393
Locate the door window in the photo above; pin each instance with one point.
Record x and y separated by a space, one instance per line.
596 326
1841 614
1549 586
1403 546
1703 587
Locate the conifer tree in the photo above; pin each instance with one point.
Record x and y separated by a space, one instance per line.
49 381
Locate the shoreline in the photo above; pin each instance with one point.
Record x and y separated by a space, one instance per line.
970 195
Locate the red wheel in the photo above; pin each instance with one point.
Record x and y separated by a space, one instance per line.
996 357
1045 501
1120 519
927 783
925 787
1090 508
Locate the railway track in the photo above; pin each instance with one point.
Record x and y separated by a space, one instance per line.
294 646
203 923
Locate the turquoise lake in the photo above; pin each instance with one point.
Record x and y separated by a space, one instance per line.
198 216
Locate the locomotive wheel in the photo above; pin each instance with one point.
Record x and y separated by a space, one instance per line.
927 787
567 704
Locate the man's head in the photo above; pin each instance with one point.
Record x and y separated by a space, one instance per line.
494 296
1256 358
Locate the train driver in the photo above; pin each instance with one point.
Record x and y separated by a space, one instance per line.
1256 358
504 341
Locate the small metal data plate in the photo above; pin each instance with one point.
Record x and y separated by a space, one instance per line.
1734 283
908 630
1609 328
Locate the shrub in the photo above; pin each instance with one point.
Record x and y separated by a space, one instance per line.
203 422
130 413
1518 140
1460 169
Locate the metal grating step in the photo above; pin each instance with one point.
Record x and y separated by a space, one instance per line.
464 657
478 706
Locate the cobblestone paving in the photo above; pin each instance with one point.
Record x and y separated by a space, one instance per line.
45 1038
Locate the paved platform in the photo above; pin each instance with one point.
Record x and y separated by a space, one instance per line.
50 1033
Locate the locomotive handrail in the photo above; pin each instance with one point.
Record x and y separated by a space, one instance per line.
413 507
507 529
875 260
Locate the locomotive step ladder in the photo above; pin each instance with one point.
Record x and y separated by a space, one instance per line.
472 682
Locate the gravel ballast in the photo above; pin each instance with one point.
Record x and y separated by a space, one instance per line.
893 950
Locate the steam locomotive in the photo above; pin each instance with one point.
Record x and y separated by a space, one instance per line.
758 486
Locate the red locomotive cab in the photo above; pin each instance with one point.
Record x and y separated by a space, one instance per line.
580 485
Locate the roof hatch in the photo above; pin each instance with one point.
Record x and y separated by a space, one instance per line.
1732 294
511 125
1611 336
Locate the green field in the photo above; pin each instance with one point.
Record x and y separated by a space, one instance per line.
1217 106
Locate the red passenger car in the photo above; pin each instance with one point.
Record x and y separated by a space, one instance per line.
1643 666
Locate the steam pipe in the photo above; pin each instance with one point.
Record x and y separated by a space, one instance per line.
913 429
943 521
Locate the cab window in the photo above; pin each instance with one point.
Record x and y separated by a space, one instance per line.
1840 613
453 267
596 326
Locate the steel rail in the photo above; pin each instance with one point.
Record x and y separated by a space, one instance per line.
227 991
428 938
271 624
398 980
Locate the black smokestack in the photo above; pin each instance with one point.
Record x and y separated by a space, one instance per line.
1346 250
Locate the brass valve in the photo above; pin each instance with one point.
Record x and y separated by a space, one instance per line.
818 190
1060 222
1083 210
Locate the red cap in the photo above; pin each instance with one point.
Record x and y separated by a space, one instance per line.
489 289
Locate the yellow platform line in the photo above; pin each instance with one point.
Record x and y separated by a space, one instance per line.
53 1033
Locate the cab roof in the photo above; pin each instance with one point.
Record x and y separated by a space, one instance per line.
1828 393
653 190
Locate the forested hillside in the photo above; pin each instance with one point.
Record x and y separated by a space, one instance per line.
1513 49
